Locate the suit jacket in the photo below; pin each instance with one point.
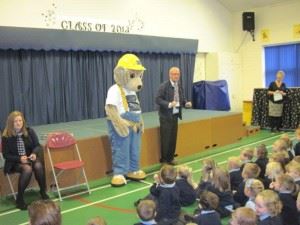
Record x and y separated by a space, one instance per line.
10 150
165 95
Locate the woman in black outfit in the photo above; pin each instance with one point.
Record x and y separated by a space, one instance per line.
276 93
21 150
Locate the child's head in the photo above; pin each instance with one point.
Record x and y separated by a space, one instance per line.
284 182
97 221
279 146
243 216
261 151
44 212
234 162
208 200
221 180
167 174
247 154
208 168
268 202
250 170
281 157
287 139
273 169
253 187
146 210
184 171
293 169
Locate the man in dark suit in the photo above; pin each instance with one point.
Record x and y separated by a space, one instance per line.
170 99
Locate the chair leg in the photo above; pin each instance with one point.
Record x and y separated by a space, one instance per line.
56 183
86 181
11 187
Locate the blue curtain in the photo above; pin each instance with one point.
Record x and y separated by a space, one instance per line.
283 57
58 86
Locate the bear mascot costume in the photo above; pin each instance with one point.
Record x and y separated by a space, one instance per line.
125 124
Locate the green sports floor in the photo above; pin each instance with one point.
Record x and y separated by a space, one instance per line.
116 205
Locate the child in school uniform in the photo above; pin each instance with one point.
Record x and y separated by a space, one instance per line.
273 169
262 159
252 188
235 173
246 156
289 144
186 185
251 170
281 157
208 202
285 186
221 187
208 170
146 211
293 169
268 208
167 195
243 216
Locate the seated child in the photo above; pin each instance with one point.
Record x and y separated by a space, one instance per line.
293 169
166 195
281 157
243 216
235 172
246 156
146 211
208 170
251 170
279 145
252 188
208 204
268 208
289 143
221 187
185 184
273 169
262 159
285 186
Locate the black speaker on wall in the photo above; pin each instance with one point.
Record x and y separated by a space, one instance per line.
248 21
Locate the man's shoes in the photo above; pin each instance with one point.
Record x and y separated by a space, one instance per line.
44 195
21 205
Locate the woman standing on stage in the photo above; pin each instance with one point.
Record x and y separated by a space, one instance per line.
276 93
21 150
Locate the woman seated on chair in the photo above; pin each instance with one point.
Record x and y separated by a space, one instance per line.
21 148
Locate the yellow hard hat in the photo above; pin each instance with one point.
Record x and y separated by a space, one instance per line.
130 61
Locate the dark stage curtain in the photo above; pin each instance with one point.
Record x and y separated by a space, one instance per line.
58 86
291 108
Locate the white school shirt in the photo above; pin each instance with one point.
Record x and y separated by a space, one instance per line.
114 98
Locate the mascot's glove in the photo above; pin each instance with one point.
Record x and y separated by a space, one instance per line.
121 125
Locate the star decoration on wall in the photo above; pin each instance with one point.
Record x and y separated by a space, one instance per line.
50 15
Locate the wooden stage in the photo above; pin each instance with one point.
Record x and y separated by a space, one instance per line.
199 130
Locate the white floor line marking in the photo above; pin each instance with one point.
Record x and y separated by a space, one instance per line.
106 186
190 162
221 153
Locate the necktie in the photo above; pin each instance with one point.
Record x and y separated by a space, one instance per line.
176 93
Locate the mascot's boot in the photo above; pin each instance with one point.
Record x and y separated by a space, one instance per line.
137 175
118 181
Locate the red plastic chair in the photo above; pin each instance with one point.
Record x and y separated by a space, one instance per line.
65 141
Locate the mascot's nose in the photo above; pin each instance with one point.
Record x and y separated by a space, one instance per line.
139 87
